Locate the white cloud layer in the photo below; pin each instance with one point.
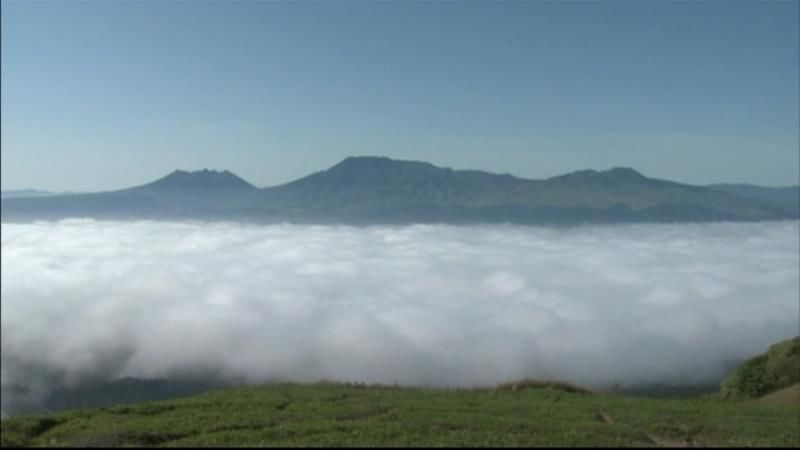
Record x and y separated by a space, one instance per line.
415 305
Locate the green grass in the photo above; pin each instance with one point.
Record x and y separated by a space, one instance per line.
326 414
785 396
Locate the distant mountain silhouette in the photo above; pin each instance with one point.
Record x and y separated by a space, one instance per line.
366 190
201 180
18 193
203 194
787 197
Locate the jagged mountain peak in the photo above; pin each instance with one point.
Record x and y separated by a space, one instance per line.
613 175
201 179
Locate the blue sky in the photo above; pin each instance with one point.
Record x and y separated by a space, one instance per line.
104 95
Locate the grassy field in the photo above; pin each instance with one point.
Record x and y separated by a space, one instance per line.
786 396
328 414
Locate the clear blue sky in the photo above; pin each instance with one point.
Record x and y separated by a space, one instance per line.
103 95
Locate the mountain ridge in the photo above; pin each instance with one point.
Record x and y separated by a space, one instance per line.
374 189
199 179
787 196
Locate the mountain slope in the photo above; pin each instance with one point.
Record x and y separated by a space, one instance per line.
205 180
364 190
200 194
367 182
776 369
372 189
787 197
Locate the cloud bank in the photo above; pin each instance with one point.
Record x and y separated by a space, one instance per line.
417 305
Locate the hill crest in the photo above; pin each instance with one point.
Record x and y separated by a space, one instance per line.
199 179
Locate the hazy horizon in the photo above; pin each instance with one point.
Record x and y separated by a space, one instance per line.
325 168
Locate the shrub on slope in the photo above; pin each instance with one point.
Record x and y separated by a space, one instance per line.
776 369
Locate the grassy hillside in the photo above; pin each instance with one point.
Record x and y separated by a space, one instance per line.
522 414
785 396
776 369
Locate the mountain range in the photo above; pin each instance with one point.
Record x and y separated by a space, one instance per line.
377 190
16 193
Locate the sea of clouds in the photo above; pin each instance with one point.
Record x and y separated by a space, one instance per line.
429 305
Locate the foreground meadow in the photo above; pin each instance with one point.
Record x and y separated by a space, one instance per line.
327 414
